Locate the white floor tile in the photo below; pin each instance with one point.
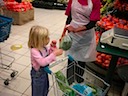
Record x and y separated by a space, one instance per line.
21 51
8 92
10 40
27 53
14 55
1 88
18 67
19 85
28 92
7 48
24 60
26 74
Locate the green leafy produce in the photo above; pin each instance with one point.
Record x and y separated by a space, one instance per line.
94 90
109 1
59 75
63 84
66 42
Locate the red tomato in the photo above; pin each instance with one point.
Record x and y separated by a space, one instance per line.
99 61
103 55
107 62
99 57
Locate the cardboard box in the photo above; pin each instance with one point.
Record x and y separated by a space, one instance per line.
20 18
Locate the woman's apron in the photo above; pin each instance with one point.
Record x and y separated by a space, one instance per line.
84 42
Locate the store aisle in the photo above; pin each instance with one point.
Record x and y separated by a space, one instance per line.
54 20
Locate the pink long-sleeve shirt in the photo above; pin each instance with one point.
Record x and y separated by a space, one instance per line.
38 60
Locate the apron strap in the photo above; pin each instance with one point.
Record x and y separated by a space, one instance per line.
45 50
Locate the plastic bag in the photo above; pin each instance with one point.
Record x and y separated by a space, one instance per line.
66 42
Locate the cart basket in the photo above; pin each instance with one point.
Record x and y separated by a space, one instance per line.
5 27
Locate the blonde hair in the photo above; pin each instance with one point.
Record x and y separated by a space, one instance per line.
38 37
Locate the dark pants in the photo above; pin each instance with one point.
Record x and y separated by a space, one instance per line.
40 82
75 69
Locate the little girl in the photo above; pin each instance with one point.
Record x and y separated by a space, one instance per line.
41 56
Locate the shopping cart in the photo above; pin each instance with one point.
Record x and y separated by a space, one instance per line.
6 60
95 85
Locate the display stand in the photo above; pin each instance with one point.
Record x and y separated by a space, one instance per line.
19 18
116 53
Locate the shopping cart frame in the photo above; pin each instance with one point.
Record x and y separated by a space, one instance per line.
6 61
102 84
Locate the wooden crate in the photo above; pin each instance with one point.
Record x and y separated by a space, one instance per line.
20 18
1 11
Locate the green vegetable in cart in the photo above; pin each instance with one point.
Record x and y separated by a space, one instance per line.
63 84
69 92
94 90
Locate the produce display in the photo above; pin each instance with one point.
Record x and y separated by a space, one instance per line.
18 7
121 9
106 6
104 59
121 5
107 22
113 13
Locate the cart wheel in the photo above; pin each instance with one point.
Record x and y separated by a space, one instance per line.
6 82
13 74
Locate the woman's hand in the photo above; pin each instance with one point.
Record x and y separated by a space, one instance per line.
80 28
75 30
58 52
70 28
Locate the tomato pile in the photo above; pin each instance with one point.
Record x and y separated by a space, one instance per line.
107 22
18 7
103 59
121 5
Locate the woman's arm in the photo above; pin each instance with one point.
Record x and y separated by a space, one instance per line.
95 14
94 17
90 25
69 19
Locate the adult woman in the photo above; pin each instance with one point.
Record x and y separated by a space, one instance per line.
82 17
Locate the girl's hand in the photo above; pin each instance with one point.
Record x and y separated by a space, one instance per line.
53 44
58 52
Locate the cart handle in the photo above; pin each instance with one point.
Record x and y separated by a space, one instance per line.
46 69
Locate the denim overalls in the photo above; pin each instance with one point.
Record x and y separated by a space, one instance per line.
40 81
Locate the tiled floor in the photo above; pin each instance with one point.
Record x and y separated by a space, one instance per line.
54 20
